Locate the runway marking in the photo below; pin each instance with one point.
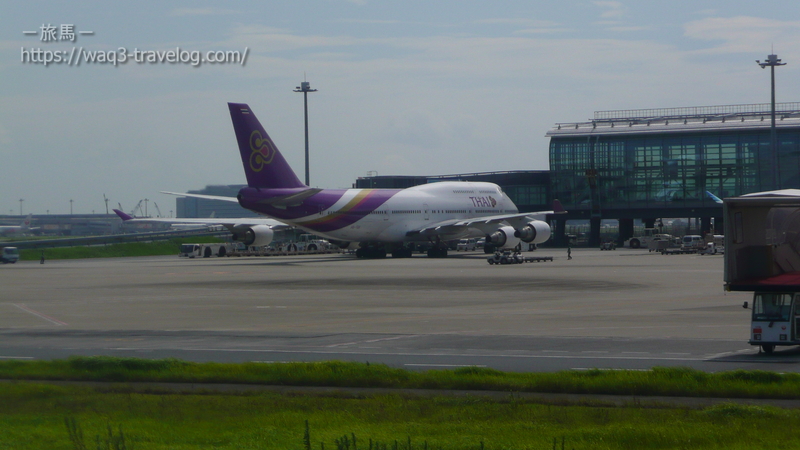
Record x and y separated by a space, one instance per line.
393 338
445 365
709 358
40 315
373 340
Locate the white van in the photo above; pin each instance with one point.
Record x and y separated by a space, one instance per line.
693 242
466 245
10 255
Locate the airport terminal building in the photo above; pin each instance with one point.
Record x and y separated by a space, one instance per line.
649 164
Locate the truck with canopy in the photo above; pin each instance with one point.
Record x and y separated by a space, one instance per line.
762 255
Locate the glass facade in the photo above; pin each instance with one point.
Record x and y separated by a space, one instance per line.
669 170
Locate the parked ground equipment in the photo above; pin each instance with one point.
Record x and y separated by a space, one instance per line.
762 255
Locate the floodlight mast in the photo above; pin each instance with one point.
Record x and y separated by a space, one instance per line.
305 88
772 61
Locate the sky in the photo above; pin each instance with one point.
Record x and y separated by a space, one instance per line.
404 87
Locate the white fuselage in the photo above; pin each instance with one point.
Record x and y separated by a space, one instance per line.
416 208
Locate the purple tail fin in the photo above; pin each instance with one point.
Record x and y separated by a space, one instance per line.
264 165
122 215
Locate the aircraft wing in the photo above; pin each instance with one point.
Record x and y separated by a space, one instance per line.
207 197
228 223
453 226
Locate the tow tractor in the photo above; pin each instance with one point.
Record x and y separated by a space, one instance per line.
648 235
509 257
762 255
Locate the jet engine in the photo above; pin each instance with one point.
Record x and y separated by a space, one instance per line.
505 237
257 235
535 232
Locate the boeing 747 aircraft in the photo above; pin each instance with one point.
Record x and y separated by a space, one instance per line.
377 221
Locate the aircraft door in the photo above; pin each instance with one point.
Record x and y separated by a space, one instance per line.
426 212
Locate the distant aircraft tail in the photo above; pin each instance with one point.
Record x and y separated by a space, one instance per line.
122 215
26 224
714 197
264 166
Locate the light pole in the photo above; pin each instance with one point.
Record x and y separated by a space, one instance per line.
20 205
772 61
70 207
305 88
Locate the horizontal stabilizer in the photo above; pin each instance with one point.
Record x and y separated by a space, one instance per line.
207 197
283 201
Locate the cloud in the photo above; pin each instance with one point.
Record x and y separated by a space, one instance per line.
370 21
613 9
201 11
533 23
743 34
624 29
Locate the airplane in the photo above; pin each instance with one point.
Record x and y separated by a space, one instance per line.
24 227
377 221
250 231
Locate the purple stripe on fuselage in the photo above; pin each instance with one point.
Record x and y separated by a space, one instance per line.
315 209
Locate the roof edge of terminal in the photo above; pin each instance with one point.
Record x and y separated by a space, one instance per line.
697 112
682 119
457 175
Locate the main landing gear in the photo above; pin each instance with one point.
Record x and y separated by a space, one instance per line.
437 251
403 252
371 252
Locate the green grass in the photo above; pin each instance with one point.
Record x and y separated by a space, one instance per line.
657 382
158 248
32 416
36 415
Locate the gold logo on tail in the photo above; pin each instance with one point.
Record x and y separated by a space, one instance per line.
262 151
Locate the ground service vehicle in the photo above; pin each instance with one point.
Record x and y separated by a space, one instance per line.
467 245
693 242
608 245
649 235
311 243
10 255
204 250
762 255
715 244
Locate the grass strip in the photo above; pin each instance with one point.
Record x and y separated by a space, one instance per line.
660 381
36 416
157 248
